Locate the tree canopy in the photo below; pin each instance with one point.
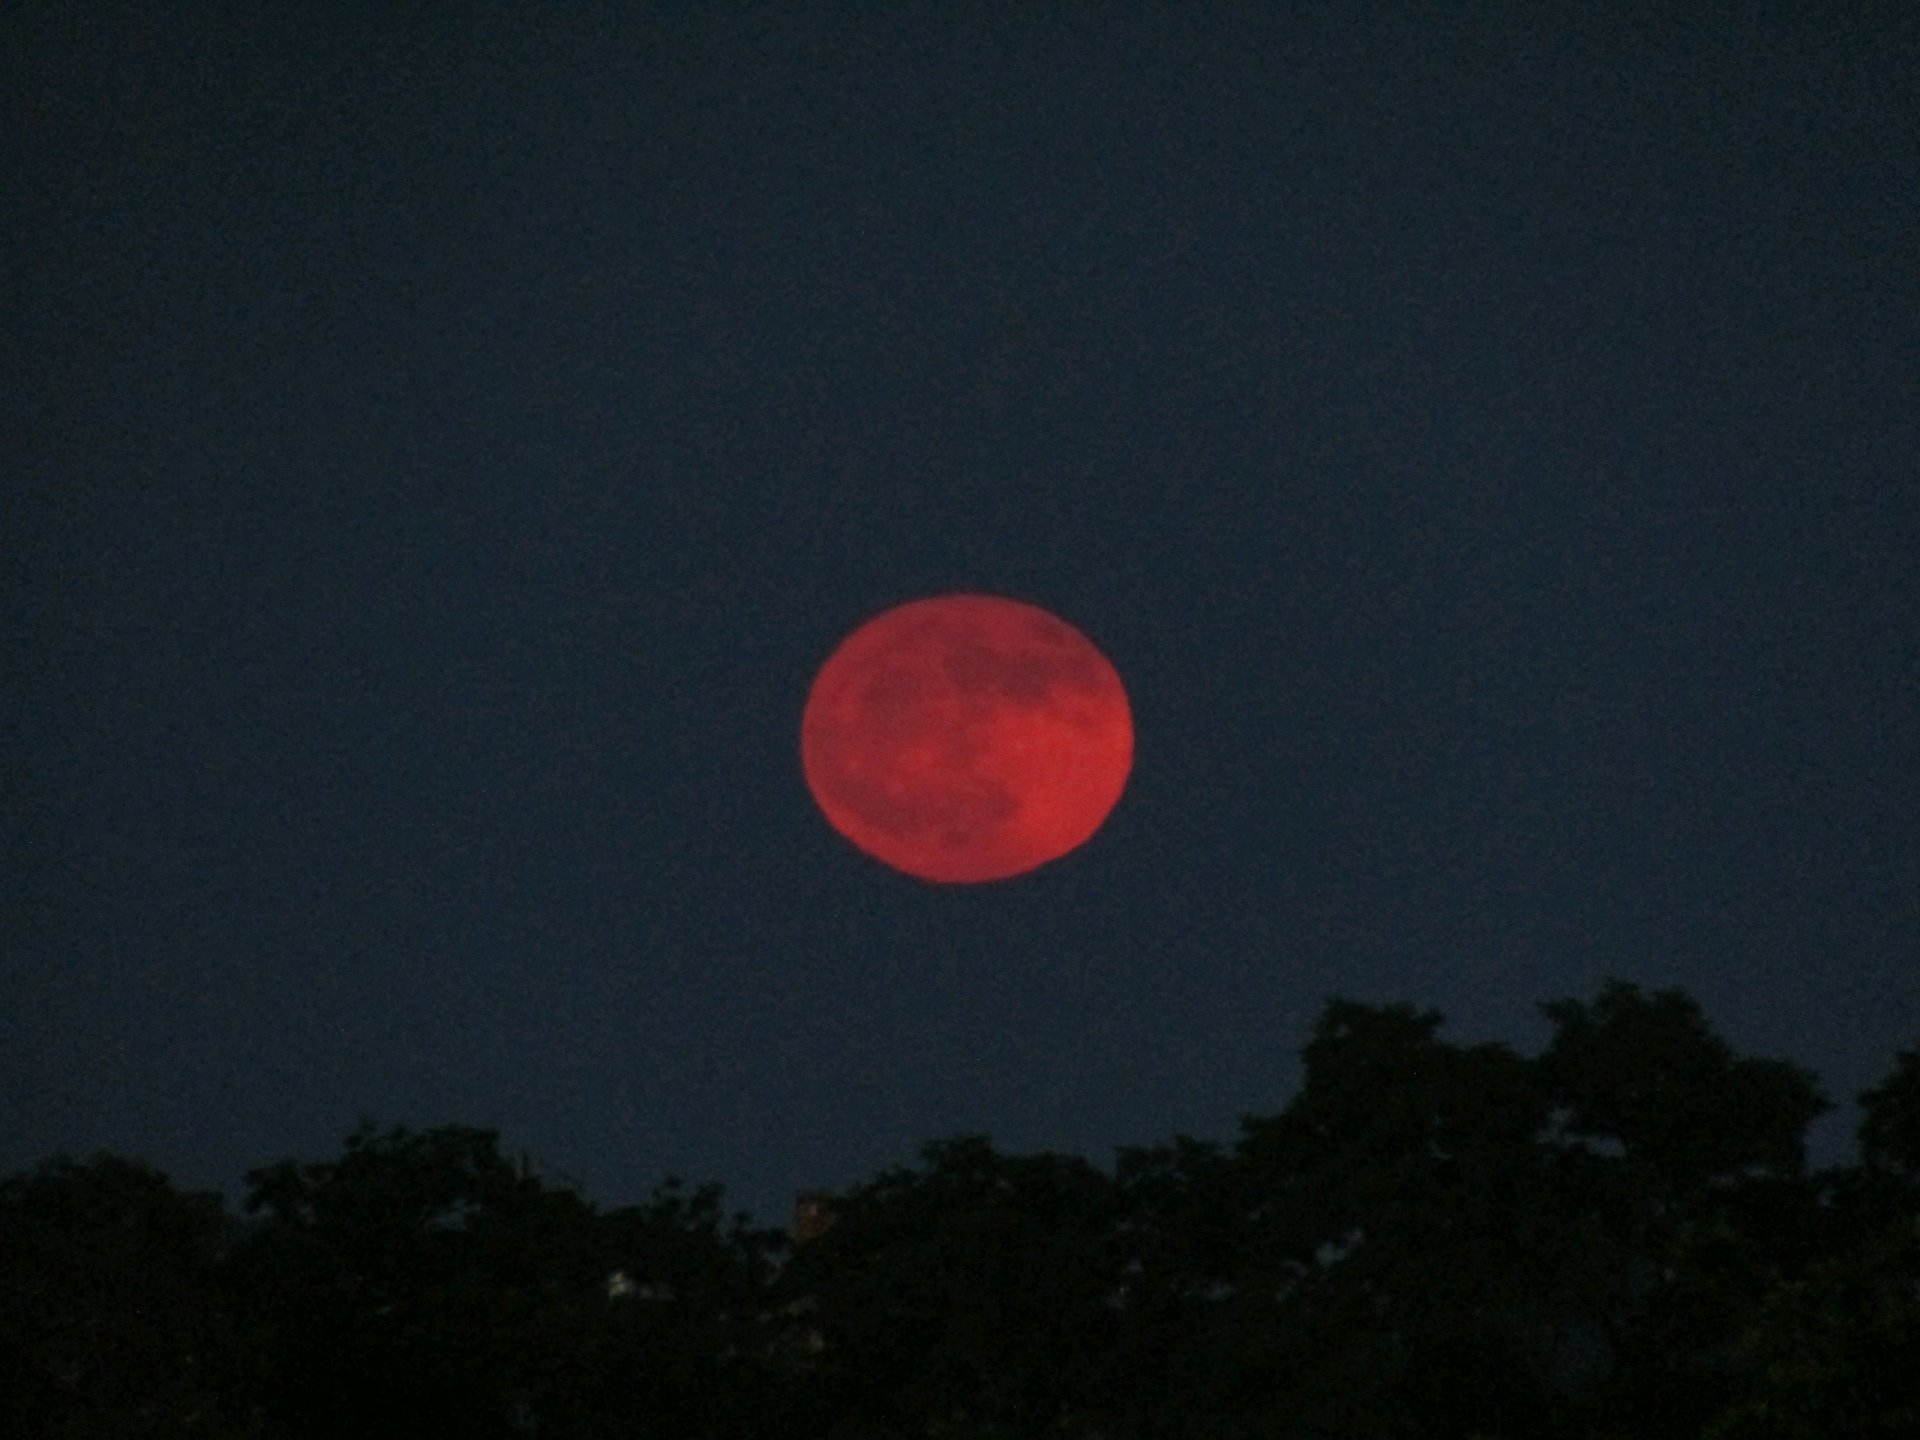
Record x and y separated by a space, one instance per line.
1617 1236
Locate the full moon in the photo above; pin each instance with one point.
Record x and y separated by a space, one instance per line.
966 738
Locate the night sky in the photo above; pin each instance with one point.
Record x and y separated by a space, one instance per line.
437 452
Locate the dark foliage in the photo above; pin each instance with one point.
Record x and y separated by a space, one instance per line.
1617 1237
114 1315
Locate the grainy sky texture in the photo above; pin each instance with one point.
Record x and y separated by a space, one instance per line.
441 445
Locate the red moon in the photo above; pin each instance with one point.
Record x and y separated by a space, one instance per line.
966 738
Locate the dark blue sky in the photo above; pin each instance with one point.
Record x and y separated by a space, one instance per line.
440 450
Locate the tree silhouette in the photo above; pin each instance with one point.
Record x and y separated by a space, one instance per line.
1616 1237
1404 1240
1890 1130
112 1316
1687 1165
1644 1073
971 1296
423 1283
1830 1352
